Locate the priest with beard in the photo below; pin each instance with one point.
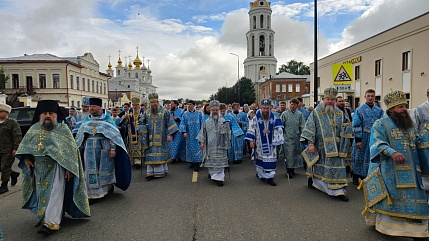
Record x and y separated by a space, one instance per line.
214 138
328 134
53 180
396 203
156 128
264 134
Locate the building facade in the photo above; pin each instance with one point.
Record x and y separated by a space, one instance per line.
396 59
48 77
284 87
135 76
260 63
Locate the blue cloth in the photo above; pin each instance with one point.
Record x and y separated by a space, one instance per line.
235 153
239 143
154 130
205 117
191 125
363 119
305 113
105 126
177 145
403 182
325 132
56 147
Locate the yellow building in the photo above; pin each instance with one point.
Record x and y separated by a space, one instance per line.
396 59
46 76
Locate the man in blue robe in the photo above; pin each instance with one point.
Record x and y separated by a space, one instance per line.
396 203
236 131
214 138
265 133
328 135
156 130
236 153
105 158
363 119
177 145
305 112
80 116
190 126
53 178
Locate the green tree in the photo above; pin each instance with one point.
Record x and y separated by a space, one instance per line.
295 67
241 92
3 79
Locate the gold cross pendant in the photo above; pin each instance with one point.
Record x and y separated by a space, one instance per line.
406 144
94 131
39 146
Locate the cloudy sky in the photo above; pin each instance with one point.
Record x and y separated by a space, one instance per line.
188 41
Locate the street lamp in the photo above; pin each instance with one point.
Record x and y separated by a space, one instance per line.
238 75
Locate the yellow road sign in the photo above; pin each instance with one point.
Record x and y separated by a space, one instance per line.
342 74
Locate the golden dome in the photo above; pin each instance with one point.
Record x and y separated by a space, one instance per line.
130 66
119 62
137 62
109 66
260 3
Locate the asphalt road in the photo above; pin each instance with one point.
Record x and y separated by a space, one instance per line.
175 208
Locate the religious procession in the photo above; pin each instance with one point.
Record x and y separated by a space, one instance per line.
70 162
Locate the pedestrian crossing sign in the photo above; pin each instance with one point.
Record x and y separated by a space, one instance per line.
342 74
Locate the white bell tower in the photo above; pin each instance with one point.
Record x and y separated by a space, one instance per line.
260 62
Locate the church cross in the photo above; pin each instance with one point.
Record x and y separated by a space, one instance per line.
406 144
396 133
119 51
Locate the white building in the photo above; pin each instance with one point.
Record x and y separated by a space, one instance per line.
260 62
137 77
48 77
395 59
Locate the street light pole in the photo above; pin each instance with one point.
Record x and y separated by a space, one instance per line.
238 75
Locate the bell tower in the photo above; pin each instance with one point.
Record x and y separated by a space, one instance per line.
260 62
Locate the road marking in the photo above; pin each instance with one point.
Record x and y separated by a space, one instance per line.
194 176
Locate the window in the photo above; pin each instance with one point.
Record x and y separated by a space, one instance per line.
283 88
268 21
261 21
96 83
83 84
297 88
71 82
72 103
290 88
77 83
254 22
104 88
406 61
357 72
93 88
253 46
78 103
15 81
128 86
277 88
3 84
42 81
56 81
129 75
137 75
378 67
262 45
89 85
119 72
318 82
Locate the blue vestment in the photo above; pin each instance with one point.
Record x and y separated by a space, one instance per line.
328 134
266 134
47 149
191 125
153 131
305 113
96 135
237 137
403 182
363 119
177 145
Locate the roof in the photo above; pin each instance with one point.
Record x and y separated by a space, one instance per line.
286 75
40 58
117 87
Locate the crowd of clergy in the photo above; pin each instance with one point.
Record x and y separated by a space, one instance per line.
68 162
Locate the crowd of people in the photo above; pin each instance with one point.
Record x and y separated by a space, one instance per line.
68 162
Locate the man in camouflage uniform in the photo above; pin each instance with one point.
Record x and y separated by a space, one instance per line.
10 137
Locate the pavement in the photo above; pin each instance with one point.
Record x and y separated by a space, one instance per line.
175 208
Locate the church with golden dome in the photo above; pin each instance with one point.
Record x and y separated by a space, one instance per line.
134 76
